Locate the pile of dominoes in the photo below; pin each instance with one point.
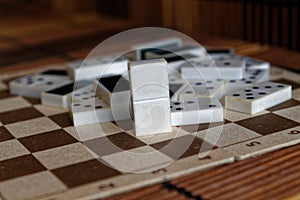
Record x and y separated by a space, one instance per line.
158 85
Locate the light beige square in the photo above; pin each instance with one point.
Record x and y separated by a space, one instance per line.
236 116
31 186
12 148
296 94
92 131
265 144
13 103
151 139
31 127
138 160
63 156
49 110
292 113
227 135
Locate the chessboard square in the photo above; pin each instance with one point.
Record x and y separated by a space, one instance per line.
43 141
182 147
63 119
84 172
33 101
19 115
294 85
31 127
142 159
5 94
287 104
113 144
49 110
152 139
5 134
292 113
296 94
19 166
13 103
12 148
92 131
226 135
63 155
237 116
267 123
30 186
200 127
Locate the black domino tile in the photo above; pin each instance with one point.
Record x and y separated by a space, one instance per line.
219 51
178 58
115 83
68 88
55 72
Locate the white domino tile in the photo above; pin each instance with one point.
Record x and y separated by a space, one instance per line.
197 89
196 111
97 67
62 96
258 97
96 111
209 69
34 85
148 79
114 90
152 116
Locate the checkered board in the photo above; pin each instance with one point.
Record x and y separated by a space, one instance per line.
43 157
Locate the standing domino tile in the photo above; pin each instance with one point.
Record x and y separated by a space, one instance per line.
209 69
258 97
149 88
34 85
99 66
152 116
114 90
196 111
148 79
61 96
142 48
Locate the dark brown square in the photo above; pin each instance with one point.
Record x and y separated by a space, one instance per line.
113 144
85 172
19 166
201 127
287 104
285 81
182 147
63 119
47 140
267 123
33 101
19 115
5 94
5 134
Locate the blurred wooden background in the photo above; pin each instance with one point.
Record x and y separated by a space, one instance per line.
273 22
